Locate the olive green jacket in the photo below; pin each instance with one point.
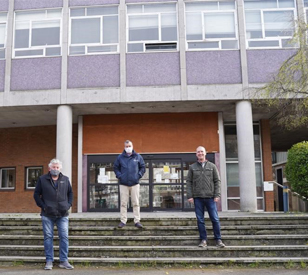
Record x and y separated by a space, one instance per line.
203 182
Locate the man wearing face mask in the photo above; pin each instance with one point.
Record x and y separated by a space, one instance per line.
53 194
129 167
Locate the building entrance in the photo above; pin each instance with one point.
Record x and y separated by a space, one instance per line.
162 188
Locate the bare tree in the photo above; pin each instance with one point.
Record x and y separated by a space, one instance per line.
288 91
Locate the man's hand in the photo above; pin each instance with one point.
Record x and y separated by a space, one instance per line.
191 200
216 199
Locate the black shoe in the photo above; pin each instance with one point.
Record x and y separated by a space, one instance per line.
121 225
203 243
138 225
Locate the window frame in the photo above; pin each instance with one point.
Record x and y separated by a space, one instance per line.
27 173
7 188
30 21
86 45
274 39
154 43
218 40
5 34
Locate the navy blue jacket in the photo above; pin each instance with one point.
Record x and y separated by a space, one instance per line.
54 202
129 169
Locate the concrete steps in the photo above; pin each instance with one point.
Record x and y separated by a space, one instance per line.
251 239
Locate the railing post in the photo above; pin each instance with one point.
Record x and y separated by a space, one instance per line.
285 199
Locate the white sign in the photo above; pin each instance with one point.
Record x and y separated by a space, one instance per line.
268 186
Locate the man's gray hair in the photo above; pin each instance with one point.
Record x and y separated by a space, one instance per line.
55 161
127 141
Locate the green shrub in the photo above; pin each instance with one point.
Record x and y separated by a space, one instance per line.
297 168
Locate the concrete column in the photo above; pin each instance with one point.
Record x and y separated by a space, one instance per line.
242 41
64 65
9 50
246 156
80 158
65 138
222 162
182 49
122 30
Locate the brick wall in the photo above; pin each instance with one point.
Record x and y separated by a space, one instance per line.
24 147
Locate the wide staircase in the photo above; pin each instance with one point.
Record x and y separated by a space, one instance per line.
251 239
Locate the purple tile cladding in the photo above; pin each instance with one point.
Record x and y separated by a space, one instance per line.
213 67
81 3
2 75
150 69
36 74
147 1
37 4
263 64
4 5
94 71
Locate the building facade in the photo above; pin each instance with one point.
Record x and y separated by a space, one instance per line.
79 77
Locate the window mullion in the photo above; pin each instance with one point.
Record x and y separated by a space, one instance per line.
203 26
159 15
262 24
30 34
101 30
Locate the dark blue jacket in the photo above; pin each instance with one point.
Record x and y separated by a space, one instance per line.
129 169
54 202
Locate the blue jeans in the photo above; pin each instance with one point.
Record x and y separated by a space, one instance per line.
200 204
62 226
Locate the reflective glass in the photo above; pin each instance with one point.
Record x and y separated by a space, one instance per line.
253 24
168 27
151 8
143 27
278 23
286 3
2 53
45 33
203 45
102 49
167 172
226 5
260 4
167 196
7 178
3 16
135 47
102 10
201 6
33 174
2 34
30 15
53 51
77 50
306 3
104 196
80 30
144 197
29 53
264 43
194 26
229 44
54 13
22 34
219 25
110 29
102 173
78 12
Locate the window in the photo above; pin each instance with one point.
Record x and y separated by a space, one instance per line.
7 178
94 30
233 188
152 27
32 175
269 23
306 9
37 33
211 25
3 19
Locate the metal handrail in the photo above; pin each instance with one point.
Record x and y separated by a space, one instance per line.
289 190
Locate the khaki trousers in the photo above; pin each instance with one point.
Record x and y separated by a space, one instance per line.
134 194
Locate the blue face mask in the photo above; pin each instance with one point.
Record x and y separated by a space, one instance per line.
54 172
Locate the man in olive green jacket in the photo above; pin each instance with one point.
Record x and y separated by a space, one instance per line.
203 189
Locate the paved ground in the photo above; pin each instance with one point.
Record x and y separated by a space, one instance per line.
157 271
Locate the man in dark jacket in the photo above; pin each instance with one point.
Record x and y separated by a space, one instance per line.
203 189
129 167
53 194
